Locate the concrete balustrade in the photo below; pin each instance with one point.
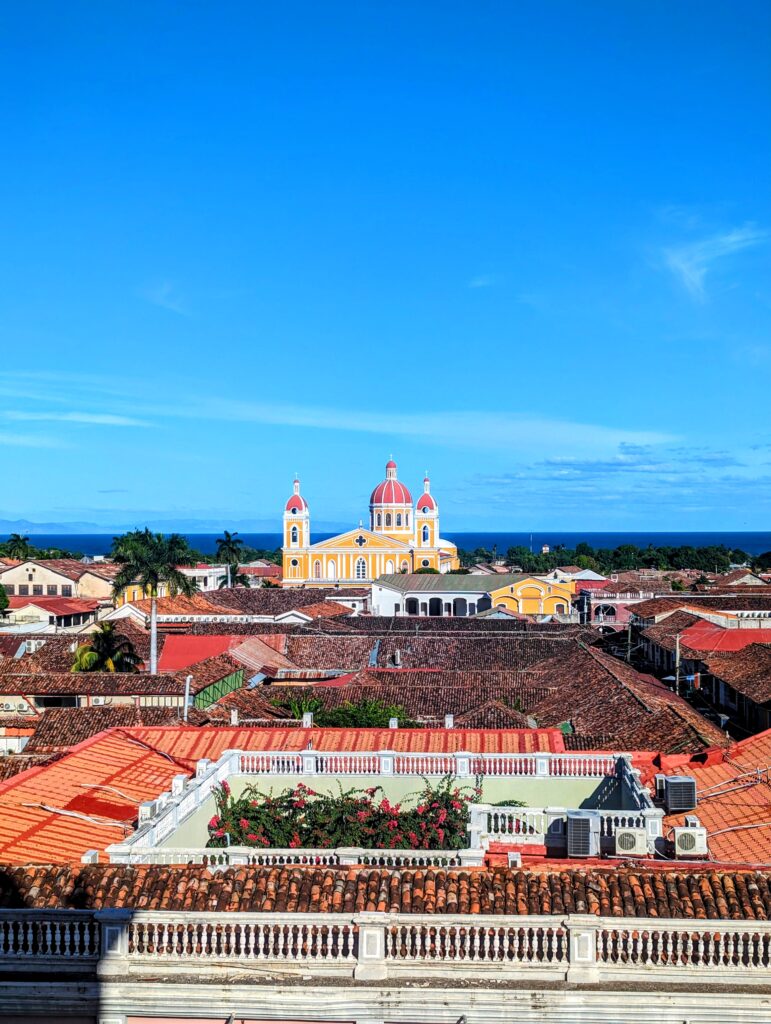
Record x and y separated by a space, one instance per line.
580 949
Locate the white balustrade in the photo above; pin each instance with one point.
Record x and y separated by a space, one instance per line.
33 934
581 948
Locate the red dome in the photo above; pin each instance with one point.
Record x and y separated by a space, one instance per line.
390 492
426 501
296 503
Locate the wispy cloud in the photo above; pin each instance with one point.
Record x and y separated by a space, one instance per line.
29 441
482 429
166 295
92 418
482 281
692 262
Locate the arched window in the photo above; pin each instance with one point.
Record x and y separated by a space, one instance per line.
295 535
317 570
331 569
379 519
425 534
407 519
389 566
388 518
361 569
405 567
398 519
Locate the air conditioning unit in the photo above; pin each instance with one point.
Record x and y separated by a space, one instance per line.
690 842
583 833
97 701
679 793
631 842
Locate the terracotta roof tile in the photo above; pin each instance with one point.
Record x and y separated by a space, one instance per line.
696 894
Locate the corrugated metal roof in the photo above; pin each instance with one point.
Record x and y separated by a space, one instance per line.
448 582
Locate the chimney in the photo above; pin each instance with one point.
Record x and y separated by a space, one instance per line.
397 658
307 720
393 723
234 716
449 721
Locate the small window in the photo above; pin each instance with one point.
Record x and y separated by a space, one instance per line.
294 536
52 590
398 519
361 569
10 589
23 590
317 570
66 590
294 562
37 589
388 518
425 534
379 519
425 563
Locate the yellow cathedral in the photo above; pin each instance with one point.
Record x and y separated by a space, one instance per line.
402 537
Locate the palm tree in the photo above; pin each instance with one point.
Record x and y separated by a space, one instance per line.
229 548
17 546
234 578
229 551
150 559
106 651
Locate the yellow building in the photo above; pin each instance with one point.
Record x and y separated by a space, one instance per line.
458 595
402 537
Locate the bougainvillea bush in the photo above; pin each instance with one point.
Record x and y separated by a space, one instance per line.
435 818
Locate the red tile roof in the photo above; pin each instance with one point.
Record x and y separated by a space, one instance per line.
685 894
56 605
734 801
748 671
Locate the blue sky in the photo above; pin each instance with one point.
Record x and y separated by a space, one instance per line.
526 246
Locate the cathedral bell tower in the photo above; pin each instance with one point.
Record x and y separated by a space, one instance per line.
297 521
426 518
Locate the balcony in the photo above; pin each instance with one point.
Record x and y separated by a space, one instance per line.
579 949
173 828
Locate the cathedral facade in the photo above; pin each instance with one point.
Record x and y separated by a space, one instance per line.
403 536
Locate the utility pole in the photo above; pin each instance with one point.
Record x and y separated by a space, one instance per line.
677 664
629 641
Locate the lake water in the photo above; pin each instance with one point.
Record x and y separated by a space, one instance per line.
753 543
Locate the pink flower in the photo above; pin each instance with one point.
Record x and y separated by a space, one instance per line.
295 841
226 789
420 809
220 833
214 821
392 824
442 817
244 823
252 836
361 815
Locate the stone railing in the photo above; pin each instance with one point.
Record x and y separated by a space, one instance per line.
68 938
547 825
387 762
235 856
580 949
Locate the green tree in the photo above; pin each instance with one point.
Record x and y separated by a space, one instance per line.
3 600
229 548
233 578
762 562
150 559
426 572
106 651
18 546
